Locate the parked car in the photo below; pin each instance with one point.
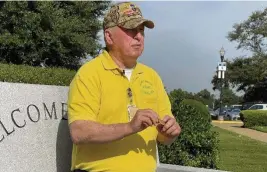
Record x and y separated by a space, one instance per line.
247 105
212 114
233 114
223 111
258 107
236 106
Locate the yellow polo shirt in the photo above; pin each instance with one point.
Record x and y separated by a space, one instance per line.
98 92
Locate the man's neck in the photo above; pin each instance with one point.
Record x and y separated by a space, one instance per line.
120 62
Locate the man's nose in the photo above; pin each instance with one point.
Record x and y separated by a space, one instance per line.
139 35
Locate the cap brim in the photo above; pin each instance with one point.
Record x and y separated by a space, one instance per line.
131 24
149 24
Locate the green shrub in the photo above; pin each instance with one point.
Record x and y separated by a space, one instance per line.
197 144
253 118
205 115
35 75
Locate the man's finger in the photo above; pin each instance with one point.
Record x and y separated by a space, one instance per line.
153 116
171 130
168 124
176 132
145 124
166 118
159 127
146 120
161 122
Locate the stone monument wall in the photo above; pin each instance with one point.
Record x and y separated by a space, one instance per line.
33 133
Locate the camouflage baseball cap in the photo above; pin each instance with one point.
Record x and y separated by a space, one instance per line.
126 15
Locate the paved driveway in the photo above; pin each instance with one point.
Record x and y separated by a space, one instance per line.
236 127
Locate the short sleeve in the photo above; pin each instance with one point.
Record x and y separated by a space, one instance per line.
164 104
83 98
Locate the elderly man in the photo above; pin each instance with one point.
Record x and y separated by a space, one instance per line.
118 108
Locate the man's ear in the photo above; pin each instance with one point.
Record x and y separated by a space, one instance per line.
108 36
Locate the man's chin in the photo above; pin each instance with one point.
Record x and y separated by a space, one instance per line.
137 54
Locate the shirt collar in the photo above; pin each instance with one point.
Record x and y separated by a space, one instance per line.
109 64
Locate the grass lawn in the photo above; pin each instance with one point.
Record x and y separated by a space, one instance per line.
260 128
241 154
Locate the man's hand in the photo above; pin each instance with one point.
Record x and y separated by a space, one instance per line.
170 130
143 119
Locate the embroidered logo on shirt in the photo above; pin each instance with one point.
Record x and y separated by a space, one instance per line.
146 87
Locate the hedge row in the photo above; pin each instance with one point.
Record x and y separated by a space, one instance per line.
253 118
35 75
197 144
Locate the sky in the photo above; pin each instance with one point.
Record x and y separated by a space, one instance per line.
184 45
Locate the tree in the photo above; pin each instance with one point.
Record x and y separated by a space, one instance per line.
258 93
205 94
205 97
228 98
179 94
53 33
251 34
248 74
